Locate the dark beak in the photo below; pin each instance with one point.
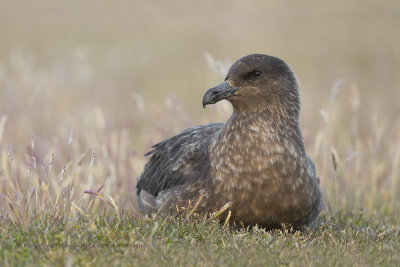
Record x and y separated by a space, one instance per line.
218 93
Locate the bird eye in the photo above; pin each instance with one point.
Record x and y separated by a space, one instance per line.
257 73
253 75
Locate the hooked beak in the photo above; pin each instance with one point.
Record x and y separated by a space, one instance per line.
218 93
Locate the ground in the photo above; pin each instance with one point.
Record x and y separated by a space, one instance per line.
339 239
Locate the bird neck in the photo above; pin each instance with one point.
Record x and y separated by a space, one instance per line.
268 125
273 108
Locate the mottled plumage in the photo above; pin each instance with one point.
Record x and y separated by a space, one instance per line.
256 160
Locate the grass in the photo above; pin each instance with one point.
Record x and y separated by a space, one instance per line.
337 239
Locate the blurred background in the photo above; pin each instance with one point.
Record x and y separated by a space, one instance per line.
86 87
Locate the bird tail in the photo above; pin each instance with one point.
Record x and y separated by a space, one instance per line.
147 202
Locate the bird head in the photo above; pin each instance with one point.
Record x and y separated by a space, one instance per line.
256 81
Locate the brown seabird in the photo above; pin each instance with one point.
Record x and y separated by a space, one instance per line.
256 160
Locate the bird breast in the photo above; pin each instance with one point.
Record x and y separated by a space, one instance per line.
246 161
260 170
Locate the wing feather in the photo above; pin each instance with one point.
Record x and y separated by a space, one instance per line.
177 160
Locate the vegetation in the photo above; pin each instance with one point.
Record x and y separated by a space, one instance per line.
338 239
